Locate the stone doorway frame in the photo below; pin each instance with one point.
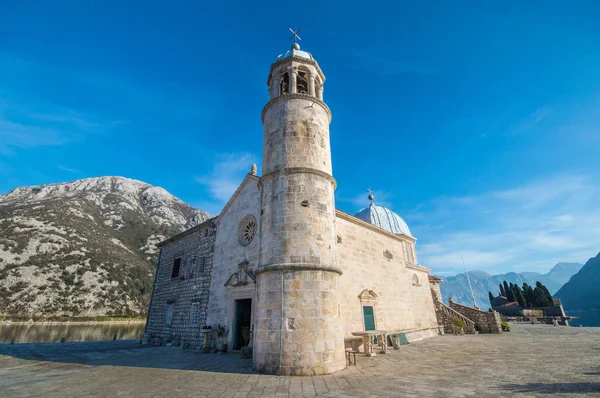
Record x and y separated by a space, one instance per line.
234 322
368 298
239 293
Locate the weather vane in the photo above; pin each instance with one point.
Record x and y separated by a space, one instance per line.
295 34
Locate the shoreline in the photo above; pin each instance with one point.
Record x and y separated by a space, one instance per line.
71 323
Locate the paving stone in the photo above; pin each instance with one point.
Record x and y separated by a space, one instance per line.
532 360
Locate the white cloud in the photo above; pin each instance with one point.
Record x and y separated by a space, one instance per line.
225 177
68 169
44 124
525 228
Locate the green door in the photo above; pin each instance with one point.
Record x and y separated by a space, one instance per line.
369 319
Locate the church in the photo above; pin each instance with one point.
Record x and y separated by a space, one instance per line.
282 261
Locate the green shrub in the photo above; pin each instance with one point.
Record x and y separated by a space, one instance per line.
505 327
459 323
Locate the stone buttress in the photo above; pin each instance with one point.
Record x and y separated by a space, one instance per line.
298 327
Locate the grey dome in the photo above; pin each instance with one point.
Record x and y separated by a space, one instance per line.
295 51
384 218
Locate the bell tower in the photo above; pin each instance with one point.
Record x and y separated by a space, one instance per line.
298 328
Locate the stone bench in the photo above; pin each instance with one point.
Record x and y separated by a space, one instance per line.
355 343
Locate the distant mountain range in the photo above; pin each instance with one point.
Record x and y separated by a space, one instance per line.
85 248
457 286
581 294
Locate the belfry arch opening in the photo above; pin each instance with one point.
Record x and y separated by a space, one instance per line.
284 84
302 82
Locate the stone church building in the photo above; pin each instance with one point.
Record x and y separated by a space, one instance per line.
281 260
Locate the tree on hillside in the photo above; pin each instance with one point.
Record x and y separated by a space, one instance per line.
519 296
491 296
529 296
509 292
502 292
506 290
546 291
541 300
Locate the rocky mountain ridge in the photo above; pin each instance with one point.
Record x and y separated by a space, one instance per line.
482 282
580 294
85 248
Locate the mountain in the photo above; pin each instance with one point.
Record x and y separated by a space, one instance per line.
580 295
85 248
457 286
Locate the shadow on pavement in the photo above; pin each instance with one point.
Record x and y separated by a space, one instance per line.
129 353
552 388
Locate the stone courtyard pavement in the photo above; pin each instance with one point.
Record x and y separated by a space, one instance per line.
532 360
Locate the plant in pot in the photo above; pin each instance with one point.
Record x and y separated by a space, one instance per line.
246 350
458 326
222 333
205 330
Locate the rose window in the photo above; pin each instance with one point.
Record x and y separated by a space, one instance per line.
247 230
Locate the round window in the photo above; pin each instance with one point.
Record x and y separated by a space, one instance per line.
247 230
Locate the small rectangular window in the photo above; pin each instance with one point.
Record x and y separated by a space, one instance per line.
169 313
195 314
176 267
201 264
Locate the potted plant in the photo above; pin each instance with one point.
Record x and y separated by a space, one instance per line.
246 350
458 326
222 333
205 330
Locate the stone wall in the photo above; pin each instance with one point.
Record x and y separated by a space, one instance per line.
486 322
387 280
229 254
186 293
446 317
297 330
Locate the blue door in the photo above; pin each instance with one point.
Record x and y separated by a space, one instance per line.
369 319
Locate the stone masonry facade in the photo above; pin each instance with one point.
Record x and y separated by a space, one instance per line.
184 298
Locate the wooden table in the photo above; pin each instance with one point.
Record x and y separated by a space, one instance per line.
369 341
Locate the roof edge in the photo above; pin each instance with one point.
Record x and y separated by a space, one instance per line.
202 225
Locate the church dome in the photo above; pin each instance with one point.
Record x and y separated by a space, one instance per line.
295 51
384 218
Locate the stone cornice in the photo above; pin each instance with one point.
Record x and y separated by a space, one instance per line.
418 267
295 58
348 217
294 96
297 170
297 267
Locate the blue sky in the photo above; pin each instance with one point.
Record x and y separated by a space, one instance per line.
477 121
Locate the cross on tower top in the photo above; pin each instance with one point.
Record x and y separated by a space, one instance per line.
295 34
371 196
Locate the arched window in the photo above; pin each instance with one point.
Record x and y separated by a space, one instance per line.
284 84
415 280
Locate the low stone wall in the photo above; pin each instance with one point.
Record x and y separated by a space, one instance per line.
420 334
486 322
446 317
